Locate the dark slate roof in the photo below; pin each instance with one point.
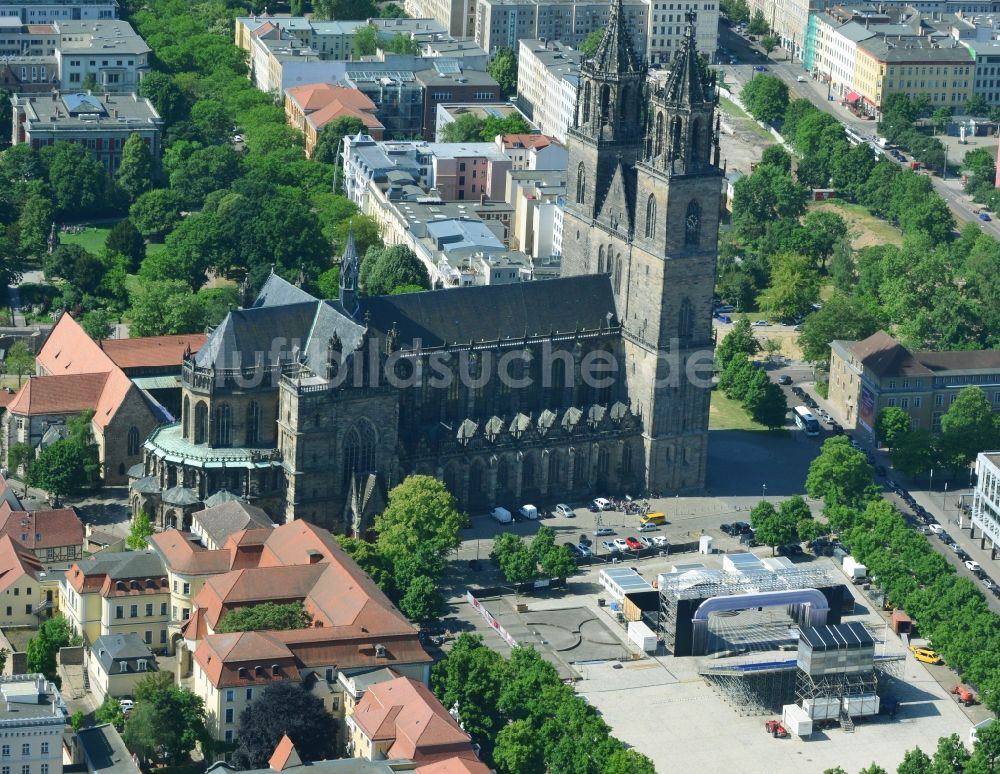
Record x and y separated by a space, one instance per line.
130 564
614 55
105 751
489 312
279 292
884 356
109 649
685 85
259 332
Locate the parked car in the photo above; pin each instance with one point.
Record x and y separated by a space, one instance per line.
955 547
646 541
925 655
723 308
585 551
602 531
585 541
973 566
660 541
600 504
729 530
759 68
564 510
648 528
836 428
800 78
784 379
760 323
621 544
611 548
937 529
575 550
984 216
792 549
742 527
633 544
529 512
945 537
127 705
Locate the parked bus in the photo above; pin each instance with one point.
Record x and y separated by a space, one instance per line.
805 420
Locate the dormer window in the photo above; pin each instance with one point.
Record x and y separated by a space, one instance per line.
242 673
259 671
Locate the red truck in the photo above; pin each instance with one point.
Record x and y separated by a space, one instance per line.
964 695
775 729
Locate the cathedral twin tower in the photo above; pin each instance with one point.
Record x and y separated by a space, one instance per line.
644 192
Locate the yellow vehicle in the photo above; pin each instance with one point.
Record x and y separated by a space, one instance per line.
654 518
925 655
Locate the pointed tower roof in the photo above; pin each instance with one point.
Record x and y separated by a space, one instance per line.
350 250
285 756
685 85
614 55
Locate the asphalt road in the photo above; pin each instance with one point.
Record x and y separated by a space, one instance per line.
816 92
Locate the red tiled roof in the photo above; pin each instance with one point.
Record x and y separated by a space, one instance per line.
454 766
152 351
405 711
6 397
15 563
64 394
284 755
42 529
528 140
324 102
222 655
182 555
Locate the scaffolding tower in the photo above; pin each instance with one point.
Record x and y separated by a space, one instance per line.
751 688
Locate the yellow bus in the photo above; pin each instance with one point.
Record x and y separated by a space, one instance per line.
654 518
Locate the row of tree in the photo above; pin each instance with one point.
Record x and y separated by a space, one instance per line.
745 381
523 716
522 563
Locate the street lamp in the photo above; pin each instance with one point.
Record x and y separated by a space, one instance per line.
763 493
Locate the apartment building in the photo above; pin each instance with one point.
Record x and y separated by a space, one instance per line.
447 113
878 372
310 108
126 593
18 39
789 21
536 196
28 592
547 79
986 498
458 17
945 71
33 717
532 152
836 51
328 39
108 50
48 11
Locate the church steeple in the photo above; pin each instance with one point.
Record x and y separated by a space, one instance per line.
349 269
680 135
608 99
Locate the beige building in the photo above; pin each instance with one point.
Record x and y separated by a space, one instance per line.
116 663
878 372
788 20
28 593
310 108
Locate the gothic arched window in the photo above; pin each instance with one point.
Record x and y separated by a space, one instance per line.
605 103
200 422
133 441
658 143
618 274
651 216
528 472
585 117
623 99
685 321
609 263
675 137
581 183
627 458
696 140
692 224
186 417
502 477
600 260
603 460
223 425
360 445
555 469
253 422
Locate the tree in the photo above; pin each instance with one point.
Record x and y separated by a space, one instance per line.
758 24
774 527
98 324
941 117
739 340
558 562
421 514
111 712
20 454
503 69
165 307
78 181
422 600
794 286
628 761
517 562
139 532
777 156
825 230
768 43
914 452
842 317
976 105
167 97
768 406
135 173
841 475
328 283
62 468
470 679
125 239
892 424
384 268
766 98
43 647
328 145
588 46
267 616
213 122
33 225
986 750
19 360
518 749
736 10
167 722
284 708
950 755
365 41
767 195
77 719
156 212
967 428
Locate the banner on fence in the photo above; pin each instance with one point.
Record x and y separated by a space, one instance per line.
488 617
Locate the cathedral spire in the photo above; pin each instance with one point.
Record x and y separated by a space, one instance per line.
686 84
614 55
349 268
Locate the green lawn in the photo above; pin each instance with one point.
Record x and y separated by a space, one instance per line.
748 123
91 239
727 414
732 108
865 229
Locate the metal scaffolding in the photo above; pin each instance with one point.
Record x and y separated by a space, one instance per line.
716 583
753 688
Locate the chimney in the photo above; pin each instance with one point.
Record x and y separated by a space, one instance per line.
482 198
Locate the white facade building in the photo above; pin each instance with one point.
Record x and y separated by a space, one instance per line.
837 51
986 497
110 51
48 11
32 719
547 78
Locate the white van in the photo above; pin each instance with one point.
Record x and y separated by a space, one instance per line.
501 515
529 512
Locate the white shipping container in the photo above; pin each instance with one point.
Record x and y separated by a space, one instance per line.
822 708
796 720
854 569
642 636
861 705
